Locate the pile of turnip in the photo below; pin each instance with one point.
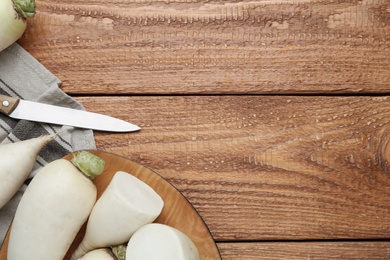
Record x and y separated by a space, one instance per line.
121 219
153 241
62 197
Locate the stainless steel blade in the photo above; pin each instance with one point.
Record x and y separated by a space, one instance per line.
45 113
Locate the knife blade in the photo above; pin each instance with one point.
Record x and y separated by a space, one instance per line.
45 113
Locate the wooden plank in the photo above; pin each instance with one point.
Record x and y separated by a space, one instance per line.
202 47
265 167
306 250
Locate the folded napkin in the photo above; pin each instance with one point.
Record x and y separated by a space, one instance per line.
24 77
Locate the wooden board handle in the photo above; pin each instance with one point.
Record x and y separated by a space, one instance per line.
8 104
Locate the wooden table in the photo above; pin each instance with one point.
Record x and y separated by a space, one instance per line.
271 117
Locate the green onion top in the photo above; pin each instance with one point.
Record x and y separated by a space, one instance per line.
26 8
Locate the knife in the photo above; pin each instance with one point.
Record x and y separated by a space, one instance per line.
44 113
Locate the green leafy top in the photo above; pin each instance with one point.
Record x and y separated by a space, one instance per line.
26 8
89 164
119 251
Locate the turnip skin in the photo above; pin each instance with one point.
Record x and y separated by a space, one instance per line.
52 210
160 242
16 162
98 254
126 204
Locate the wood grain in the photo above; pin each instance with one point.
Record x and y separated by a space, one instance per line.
197 47
265 167
209 82
373 250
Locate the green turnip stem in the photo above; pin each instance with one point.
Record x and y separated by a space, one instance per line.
89 164
26 8
119 252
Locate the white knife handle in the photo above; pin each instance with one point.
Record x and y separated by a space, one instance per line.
8 104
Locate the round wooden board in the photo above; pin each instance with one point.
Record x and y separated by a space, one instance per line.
177 211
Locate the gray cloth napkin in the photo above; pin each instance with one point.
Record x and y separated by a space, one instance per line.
22 76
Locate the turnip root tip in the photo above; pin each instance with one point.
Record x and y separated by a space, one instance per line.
16 162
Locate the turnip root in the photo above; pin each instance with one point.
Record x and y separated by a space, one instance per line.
16 162
125 206
53 208
160 242
98 254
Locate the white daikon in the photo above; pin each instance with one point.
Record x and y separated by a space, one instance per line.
16 162
13 14
98 254
160 242
53 208
126 204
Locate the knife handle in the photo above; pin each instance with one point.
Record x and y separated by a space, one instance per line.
8 104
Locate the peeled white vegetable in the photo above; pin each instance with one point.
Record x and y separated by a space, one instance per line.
53 208
127 204
13 14
98 254
160 242
16 162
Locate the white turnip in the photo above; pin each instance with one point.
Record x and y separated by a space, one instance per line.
53 208
13 23
16 162
98 254
160 242
127 204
